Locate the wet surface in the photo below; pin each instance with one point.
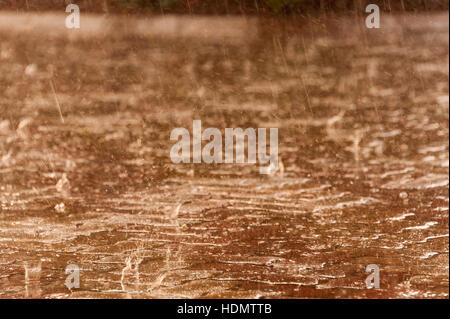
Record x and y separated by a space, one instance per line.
86 178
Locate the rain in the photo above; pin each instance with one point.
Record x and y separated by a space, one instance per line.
86 177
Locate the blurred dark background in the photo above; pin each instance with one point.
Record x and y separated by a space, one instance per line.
228 6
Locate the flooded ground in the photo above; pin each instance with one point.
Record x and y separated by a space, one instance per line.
86 177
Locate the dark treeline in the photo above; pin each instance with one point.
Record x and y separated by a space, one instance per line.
227 6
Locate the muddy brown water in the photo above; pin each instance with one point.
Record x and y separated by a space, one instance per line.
363 124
